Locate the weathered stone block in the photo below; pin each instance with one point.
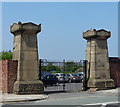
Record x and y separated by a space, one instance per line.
28 87
100 34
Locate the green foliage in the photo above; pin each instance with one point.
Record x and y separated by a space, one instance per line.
68 66
74 68
6 55
57 68
56 72
43 68
71 66
50 67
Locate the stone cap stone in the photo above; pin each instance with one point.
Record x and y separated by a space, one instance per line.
16 27
100 34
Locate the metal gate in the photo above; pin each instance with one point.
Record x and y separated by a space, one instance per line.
63 76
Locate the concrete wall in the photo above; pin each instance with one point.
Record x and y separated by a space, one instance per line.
8 71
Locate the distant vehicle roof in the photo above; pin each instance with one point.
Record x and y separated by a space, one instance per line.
80 72
45 73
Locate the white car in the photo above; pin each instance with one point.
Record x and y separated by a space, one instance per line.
62 77
81 74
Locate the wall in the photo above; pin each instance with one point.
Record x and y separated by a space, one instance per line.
115 70
8 71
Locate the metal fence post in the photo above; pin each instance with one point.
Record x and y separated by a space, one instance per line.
40 69
85 78
64 75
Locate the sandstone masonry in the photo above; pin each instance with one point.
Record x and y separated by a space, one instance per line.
97 56
25 50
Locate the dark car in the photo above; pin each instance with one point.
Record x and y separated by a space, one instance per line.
49 80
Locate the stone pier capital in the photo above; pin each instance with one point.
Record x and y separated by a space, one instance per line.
29 27
100 34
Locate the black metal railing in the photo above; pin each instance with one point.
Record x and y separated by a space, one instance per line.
65 67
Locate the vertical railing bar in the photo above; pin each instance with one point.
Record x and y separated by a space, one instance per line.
64 75
40 69
85 78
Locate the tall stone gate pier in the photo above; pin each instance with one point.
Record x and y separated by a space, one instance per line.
25 50
97 56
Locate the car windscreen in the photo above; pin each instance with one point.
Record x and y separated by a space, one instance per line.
74 74
56 75
68 74
50 76
63 75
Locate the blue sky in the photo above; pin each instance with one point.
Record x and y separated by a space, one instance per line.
62 26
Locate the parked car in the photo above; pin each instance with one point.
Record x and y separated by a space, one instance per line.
74 78
81 75
69 77
49 80
45 73
62 77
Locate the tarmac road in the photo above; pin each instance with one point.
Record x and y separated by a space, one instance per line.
90 99
76 100
104 98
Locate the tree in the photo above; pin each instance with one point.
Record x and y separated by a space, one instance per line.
43 68
6 55
68 65
74 68
71 66
50 67
57 68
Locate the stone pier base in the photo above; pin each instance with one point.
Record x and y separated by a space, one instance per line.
101 83
28 87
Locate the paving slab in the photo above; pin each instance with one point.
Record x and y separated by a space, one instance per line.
21 98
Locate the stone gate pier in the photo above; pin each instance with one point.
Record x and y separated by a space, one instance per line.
97 56
25 50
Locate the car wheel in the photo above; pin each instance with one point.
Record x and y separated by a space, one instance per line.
57 83
70 81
